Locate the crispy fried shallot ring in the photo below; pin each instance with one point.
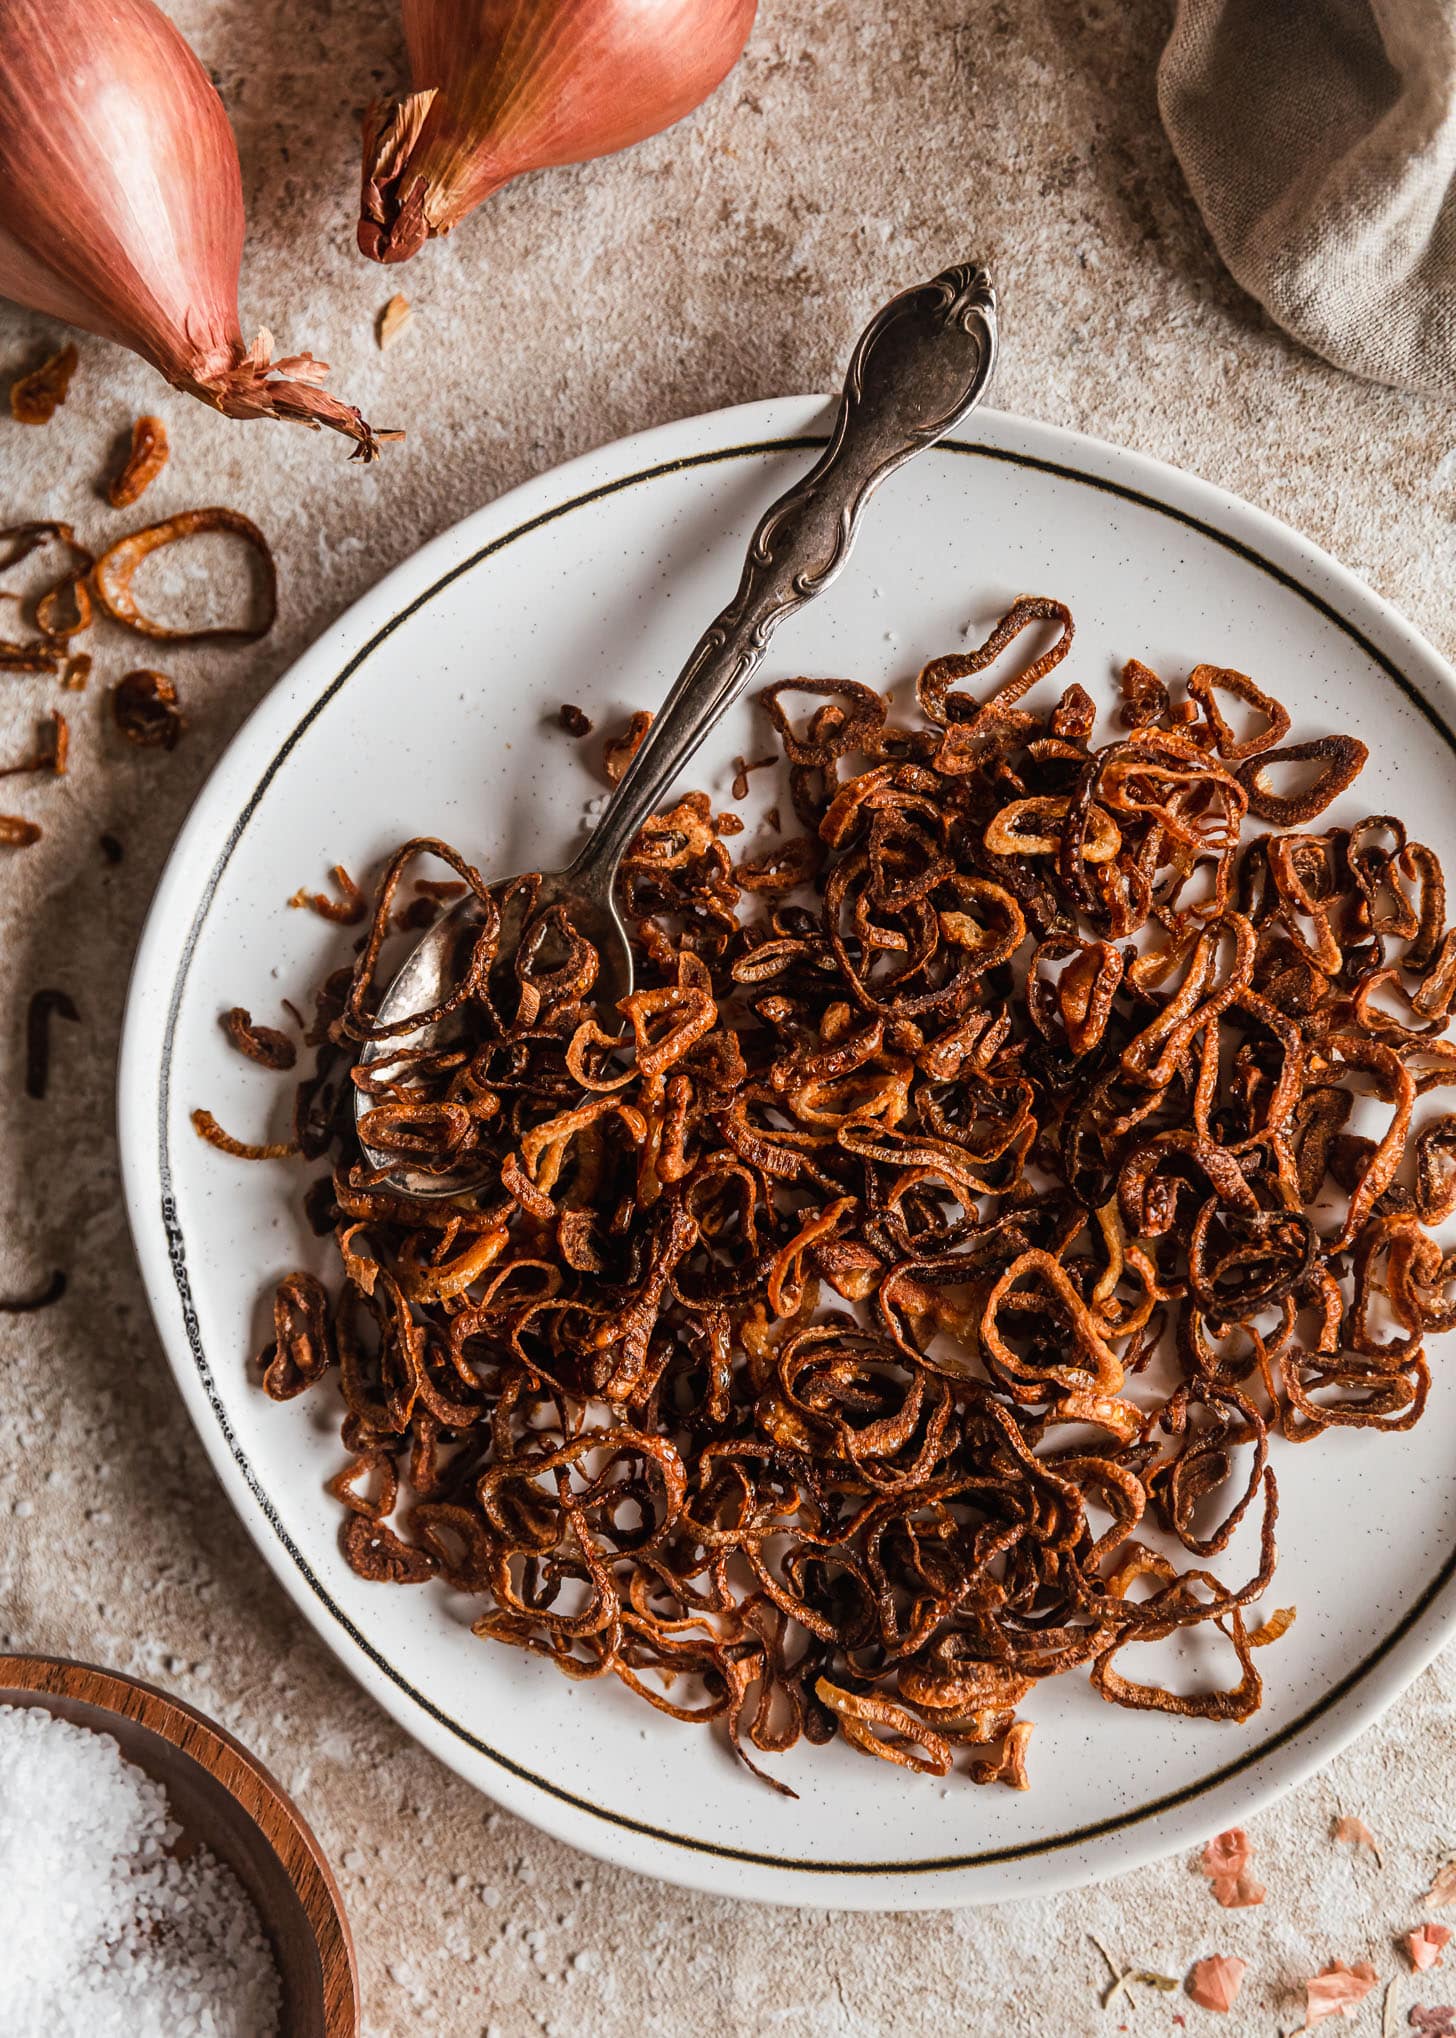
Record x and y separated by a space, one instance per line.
112 576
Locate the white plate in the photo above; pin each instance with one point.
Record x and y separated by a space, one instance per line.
430 709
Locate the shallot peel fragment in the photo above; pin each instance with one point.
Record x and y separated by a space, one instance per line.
121 206
505 86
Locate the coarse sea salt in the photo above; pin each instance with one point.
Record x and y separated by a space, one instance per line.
106 1933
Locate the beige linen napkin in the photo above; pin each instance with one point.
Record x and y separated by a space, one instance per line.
1319 139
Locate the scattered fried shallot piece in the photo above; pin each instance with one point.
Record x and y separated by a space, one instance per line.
18 833
1426 1945
65 609
113 573
1214 1983
29 658
20 540
61 610
35 398
345 912
1343 758
1279 1623
303 1346
43 1007
49 754
143 463
206 1127
741 770
1009 1767
145 709
574 720
618 751
55 1288
262 1044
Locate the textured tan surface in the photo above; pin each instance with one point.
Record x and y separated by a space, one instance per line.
728 260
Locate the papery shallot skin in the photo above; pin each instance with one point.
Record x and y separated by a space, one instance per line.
505 86
121 204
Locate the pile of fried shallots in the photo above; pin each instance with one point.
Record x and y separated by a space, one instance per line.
925 1253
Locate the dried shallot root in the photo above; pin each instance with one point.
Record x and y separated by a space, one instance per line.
893 1303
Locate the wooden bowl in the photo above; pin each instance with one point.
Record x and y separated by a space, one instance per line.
223 1798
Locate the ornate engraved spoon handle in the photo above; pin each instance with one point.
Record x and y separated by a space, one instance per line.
921 364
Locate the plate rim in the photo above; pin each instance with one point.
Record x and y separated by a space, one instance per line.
1105 1847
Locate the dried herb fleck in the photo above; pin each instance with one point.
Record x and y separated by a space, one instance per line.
344 912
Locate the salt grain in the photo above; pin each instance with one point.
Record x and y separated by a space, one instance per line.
107 1933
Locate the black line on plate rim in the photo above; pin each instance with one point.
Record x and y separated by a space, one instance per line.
176 1248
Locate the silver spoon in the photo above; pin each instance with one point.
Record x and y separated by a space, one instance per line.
921 365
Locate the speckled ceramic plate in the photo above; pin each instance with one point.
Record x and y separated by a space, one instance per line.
590 585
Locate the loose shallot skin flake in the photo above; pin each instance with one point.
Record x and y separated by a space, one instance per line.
1226 1864
1433 2020
1214 1983
1426 1945
1338 1990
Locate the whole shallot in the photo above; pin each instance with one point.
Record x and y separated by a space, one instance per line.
121 205
504 86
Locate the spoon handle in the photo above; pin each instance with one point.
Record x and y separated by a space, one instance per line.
920 366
